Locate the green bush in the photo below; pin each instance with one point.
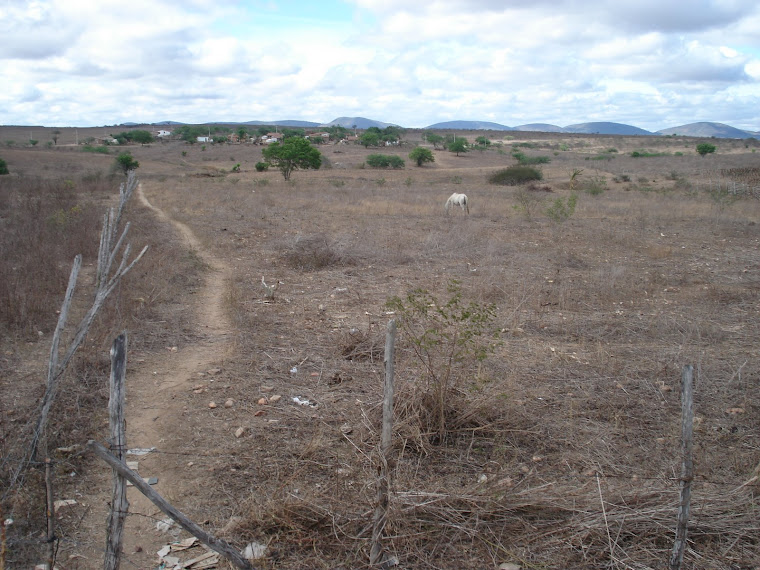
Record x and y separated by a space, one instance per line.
96 149
561 210
646 154
514 175
236 168
385 161
262 166
4 167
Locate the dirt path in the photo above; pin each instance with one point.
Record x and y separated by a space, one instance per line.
154 413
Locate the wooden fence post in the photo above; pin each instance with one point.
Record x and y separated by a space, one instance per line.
118 445
687 466
381 510
212 542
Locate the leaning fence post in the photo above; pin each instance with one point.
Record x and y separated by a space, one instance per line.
119 503
216 544
381 510
687 466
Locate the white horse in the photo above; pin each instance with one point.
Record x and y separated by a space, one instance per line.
458 200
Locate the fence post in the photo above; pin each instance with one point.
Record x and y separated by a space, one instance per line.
687 466
381 510
118 446
212 542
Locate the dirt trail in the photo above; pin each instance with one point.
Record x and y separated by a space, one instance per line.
154 412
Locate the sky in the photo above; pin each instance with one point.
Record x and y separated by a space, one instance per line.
653 64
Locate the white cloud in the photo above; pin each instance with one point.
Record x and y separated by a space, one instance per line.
650 63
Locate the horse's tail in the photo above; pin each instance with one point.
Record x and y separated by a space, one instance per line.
466 204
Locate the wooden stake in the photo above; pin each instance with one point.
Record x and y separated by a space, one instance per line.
381 510
212 542
687 466
119 503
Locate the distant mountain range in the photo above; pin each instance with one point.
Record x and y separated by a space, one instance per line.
700 129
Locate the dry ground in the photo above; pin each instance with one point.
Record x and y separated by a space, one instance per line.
577 409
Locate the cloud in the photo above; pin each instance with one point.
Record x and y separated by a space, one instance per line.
560 61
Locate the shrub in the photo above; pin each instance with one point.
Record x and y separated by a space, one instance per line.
236 168
385 161
706 148
262 166
4 167
96 149
447 339
561 210
514 175
594 185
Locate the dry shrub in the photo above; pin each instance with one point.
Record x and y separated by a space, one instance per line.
46 223
316 252
362 346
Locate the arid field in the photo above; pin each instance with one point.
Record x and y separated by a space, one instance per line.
538 360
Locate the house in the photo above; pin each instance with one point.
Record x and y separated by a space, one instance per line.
203 139
162 133
270 138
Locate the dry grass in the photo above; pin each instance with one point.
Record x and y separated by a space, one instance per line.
598 315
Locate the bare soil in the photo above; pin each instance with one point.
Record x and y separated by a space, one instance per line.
577 408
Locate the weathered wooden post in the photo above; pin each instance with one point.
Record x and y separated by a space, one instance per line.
216 544
118 446
381 510
687 466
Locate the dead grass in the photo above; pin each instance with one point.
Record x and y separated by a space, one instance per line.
598 315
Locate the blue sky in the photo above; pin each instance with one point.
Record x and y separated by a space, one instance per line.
651 63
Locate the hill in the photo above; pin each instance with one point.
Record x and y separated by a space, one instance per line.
605 128
359 122
540 127
707 129
281 123
470 126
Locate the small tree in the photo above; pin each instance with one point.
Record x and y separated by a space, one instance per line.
140 136
292 154
458 145
705 149
421 155
483 141
33 142
370 138
4 167
434 139
126 162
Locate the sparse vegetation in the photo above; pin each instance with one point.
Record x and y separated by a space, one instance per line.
561 209
4 167
597 316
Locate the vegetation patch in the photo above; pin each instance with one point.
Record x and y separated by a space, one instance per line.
385 161
514 175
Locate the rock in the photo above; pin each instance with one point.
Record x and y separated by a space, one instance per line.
229 403
346 429
509 566
274 399
239 432
255 550
263 401
212 405
213 371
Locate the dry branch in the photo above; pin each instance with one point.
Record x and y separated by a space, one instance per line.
212 542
